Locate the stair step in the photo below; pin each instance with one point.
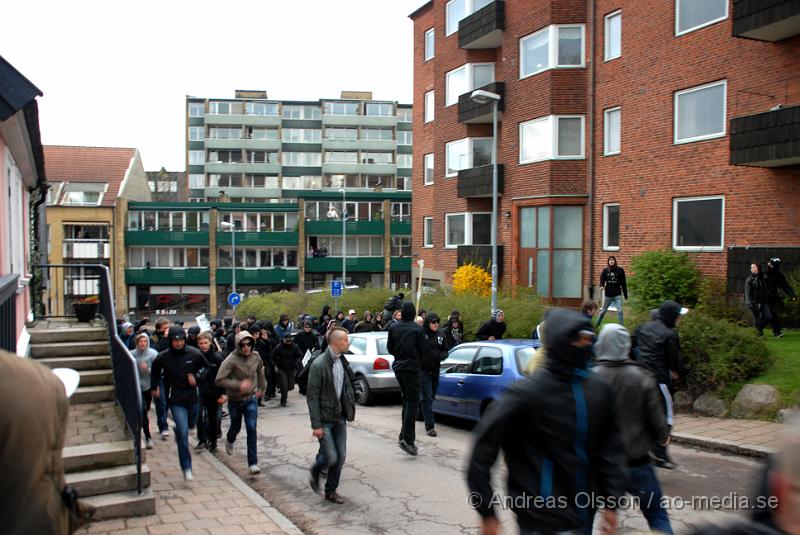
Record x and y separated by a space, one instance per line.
79 363
68 349
96 377
92 394
123 504
107 480
96 456
76 334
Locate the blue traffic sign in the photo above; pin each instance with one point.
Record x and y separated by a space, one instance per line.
234 299
336 288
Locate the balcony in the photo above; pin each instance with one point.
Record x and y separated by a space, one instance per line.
481 256
243 143
86 249
484 28
341 168
477 182
258 276
243 167
400 263
471 112
360 120
244 238
333 264
334 228
161 276
770 139
400 228
248 120
166 237
356 144
766 20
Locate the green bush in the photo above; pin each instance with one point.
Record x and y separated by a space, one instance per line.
661 275
715 301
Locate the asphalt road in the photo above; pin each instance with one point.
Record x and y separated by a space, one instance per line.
390 492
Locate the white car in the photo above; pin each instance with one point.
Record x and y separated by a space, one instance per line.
372 365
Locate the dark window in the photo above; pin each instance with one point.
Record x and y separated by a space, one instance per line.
612 226
489 362
699 223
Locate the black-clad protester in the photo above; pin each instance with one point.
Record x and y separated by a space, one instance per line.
366 325
287 359
191 336
494 329
452 332
777 287
435 353
211 396
262 347
307 339
755 298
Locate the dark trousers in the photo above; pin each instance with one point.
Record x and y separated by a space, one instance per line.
147 399
161 408
208 420
272 380
644 485
772 307
428 382
762 316
332 453
286 381
409 390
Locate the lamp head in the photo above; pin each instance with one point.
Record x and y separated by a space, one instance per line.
484 97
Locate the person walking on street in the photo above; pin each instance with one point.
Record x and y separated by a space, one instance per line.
331 403
755 298
436 352
211 396
614 288
179 364
307 339
287 358
242 376
640 416
559 434
776 286
407 343
494 328
160 342
453 332
366 325
145 355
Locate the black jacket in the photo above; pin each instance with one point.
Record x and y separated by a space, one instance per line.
612 281
349 324
776 283
406 341
176 367
323 405
307 341
453 336
755 290
491 328
286 357
207 376
559 433
658 345
436 351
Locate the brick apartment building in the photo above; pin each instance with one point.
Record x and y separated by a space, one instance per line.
625 126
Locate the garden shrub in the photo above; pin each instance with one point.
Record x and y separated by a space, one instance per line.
661 275
715 301
472 279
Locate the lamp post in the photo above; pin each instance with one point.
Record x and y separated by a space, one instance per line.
232 227
344 237
480 96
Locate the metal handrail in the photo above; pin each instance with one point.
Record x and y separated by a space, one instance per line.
8 312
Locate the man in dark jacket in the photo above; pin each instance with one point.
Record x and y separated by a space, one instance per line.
659 351
211 396
614 288
331 404
777 284
407 343
494 329
307 339
178 365
349 322
287 358
366 325
640 416
755 298
559 433
435 353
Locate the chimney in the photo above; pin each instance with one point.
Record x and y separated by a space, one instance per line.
250 93
357 95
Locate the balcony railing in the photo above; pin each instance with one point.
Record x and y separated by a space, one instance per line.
471 112
769 139
477 182
484 28
8 312
766 20
86 249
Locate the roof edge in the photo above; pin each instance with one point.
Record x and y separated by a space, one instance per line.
420 9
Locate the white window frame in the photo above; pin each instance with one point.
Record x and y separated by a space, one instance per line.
715 135
693 248
214 107
405 137
429 106
607 247
197 106
427 233
606 41
469 6
467 227
426 179
552 51
193 177
678 31
606 133
202 154
430 52
553 124
193 130
470 153
449 99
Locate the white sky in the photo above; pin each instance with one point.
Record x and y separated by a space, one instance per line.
116 73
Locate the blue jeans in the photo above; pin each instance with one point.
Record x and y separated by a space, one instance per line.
161 408
185 417
645 487
332 453
617 302
249 409
427 391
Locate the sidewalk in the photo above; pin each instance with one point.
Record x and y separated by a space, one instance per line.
754 438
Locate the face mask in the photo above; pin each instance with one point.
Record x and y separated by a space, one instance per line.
578 357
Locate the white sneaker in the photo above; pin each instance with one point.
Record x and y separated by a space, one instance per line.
187 475
164 434
229 447
148 444
254 469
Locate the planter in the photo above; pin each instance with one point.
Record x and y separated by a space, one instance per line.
85 312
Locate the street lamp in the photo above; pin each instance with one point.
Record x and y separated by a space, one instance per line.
230 225
344 237
480 96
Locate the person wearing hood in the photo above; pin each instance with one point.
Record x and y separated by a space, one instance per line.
160 341
349 322
658 349
307 339
430 365
284 326
144 355
755 298
179 364
127 334
777 285
366 325
453 332
641 419
211 396
242 376
263 348
559 435
494 329
614 288
287 357
191 336
407 343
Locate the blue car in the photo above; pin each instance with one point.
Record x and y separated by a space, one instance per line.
476 373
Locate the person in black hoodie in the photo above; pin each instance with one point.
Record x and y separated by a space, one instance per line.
211 396
407 343
435 353
179 364
307 339
287 358
559 434
494 329
776 286
614 287
191 336
755 298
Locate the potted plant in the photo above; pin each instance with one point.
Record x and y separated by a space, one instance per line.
86 308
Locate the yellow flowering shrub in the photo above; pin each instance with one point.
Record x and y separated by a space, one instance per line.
470 278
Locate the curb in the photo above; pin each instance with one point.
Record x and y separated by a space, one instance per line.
716 444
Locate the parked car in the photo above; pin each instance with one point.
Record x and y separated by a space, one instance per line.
474 374
372 366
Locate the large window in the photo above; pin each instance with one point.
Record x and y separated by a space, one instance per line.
341 156
302 135
428 172
260 221
341 108
404 137
165 257
377 133
173 221
401 211
611 227
691 15
455 10
612 128
341 133
467 153
427 232
430 35
401 246
261 108
429 107
225 133
698 223
378 157
262 133
332 210
466 78
301 112
221 108
224 156
404 115
356 245
196 133
197 181
381 109
405 161
552 137
467 229
252 258
261 156
302 159
553 47
613 37
302 182
197 109
700 112
197 157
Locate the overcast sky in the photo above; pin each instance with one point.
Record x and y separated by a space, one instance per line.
117 73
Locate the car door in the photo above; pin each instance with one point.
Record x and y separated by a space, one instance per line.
483 382
454 369
358 358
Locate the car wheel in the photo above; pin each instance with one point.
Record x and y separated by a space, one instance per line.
364 395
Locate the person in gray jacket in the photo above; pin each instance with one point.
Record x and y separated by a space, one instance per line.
640 416
331 404
145 355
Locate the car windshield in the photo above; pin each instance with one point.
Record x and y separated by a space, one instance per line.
524 356
380 345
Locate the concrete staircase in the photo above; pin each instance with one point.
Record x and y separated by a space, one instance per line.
99 459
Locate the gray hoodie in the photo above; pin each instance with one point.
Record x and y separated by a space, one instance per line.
147 356
614 343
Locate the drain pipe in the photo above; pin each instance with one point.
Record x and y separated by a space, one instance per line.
591 151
